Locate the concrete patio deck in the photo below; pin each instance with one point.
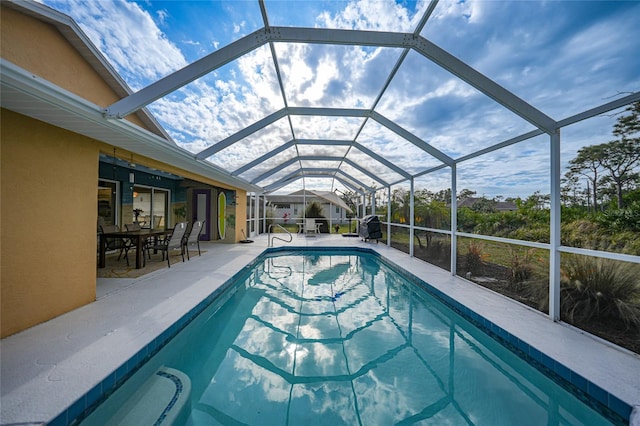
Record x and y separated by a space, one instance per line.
47 368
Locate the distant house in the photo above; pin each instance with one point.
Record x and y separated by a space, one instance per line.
290 208
501 206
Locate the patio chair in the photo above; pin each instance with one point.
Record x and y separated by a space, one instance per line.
135 226
174 241
156 222
101 222
113 244
194 236
311 227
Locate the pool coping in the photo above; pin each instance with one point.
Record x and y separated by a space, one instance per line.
621 398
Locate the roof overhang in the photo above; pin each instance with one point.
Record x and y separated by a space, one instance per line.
89 52
30 95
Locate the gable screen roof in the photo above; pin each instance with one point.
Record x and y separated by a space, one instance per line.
286 104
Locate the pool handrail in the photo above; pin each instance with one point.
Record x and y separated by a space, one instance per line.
270 238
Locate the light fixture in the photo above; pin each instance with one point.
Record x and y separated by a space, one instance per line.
132 177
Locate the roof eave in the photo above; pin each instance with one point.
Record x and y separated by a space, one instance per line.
72 32
29 95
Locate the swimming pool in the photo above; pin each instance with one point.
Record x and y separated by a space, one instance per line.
337 338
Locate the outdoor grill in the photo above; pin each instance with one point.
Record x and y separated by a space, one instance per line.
370 228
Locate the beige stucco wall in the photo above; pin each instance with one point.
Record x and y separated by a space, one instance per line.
41 49
47 222
48 186
48 210
241 214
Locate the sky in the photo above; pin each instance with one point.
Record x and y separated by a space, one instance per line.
562 57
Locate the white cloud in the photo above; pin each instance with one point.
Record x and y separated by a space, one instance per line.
238 28
128 36
330 76
561 63
162 16
379 15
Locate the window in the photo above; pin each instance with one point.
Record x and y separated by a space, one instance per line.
107 202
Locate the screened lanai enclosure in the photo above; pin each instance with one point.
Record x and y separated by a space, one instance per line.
467 127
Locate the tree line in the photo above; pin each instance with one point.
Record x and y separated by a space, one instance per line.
612 170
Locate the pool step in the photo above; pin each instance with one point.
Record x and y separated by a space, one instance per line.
162 400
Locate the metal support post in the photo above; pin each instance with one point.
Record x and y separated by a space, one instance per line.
454 218
389 216
554 255
411 219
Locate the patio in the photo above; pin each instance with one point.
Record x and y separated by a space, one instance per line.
45 369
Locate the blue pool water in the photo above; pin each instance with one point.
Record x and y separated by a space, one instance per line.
332 339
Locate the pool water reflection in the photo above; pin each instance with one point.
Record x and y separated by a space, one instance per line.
343 339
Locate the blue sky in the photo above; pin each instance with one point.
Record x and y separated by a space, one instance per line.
561 56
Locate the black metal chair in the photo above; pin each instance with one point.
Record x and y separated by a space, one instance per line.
194 236
135 226
113 244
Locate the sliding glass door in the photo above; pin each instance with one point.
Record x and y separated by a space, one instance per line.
151 207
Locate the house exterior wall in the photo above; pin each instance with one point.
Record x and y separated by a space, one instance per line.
48 186
48 190
292 214
239 218
295 210
41 49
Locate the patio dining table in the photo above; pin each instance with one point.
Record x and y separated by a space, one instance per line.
139 237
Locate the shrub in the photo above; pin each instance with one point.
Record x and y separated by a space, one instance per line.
314 210
627 219
467 219
592 235
521 265
440 248
475 256
595 288
536 232
580 233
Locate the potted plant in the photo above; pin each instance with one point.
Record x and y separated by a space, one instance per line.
136 214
